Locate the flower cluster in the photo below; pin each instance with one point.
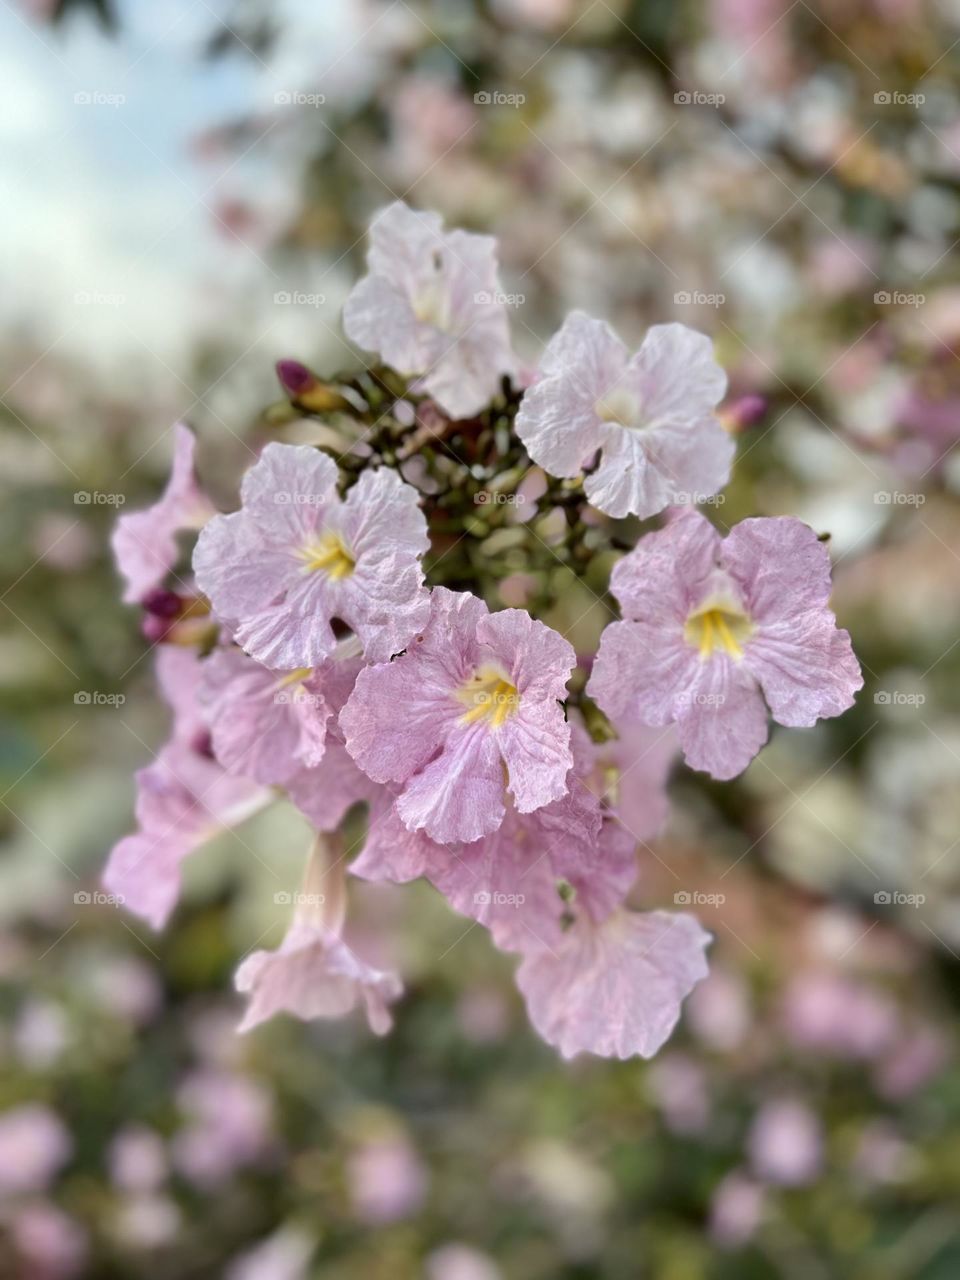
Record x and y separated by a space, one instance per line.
335 643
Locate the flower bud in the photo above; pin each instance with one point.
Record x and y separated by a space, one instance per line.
306 391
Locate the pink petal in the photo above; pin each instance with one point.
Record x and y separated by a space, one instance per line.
723 722
460 794
615 990
144 542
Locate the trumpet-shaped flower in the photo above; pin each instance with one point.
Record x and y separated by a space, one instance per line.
145 542
295 557
649 415
314 974
716 630
470 711
432 306
184 798
614 989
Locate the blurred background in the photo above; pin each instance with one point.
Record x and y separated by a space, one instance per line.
186 187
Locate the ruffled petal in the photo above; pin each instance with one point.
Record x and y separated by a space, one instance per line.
721 718
614 990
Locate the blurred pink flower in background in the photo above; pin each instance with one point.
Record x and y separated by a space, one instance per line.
229 1126
34 1145
785 1143
387 1180
736 1210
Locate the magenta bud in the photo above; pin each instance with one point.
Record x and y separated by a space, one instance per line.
295 378
747 411
162 603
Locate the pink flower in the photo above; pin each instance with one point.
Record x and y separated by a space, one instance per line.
268 725
650 415
736 1210
470 711
713 627
183 799
145 542
614 989
387 1180
313 973
630 773
295 556
786 1143
526 881
34 1145
431 306
230 1123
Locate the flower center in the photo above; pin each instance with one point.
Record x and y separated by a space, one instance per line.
329 554
431 299
621 406
718 626
488 695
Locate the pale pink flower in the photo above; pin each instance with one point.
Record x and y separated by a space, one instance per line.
432 306
138 1159
145 542
461 1262
314 973
184 798
614 989
650 416
716 630
269 725
470 711
828 1013
229 1126
736 1210
296 556
630 773
387 1180
34 1145
54 1245
786 1143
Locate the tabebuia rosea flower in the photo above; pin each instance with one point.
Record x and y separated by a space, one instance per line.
145 542
470 712
717 630
184 799
314 973
296 556
432 306
650 416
